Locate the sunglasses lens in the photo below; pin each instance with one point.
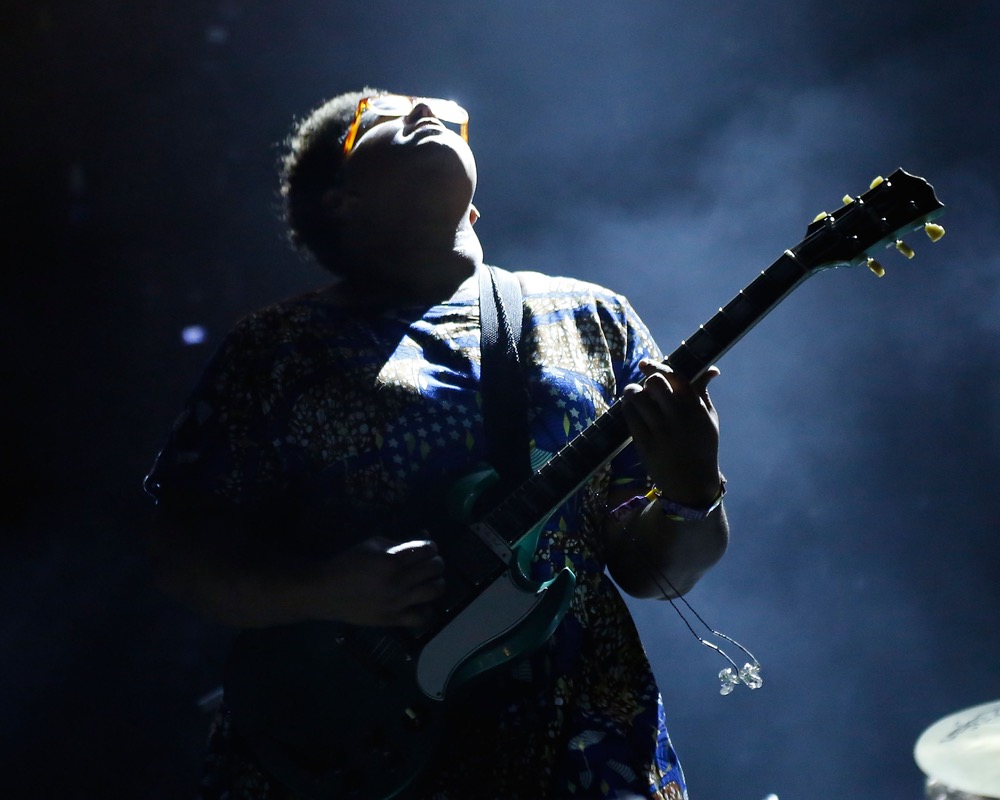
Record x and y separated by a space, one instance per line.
447 110
391 105
397 105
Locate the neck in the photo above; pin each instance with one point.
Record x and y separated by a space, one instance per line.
392 277
397 273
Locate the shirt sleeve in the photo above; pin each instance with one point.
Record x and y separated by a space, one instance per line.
636 343
222 452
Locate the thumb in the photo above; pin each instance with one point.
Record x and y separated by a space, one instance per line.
414 551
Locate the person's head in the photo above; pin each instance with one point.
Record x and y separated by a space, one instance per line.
401 176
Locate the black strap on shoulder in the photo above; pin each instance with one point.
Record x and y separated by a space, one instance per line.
505 408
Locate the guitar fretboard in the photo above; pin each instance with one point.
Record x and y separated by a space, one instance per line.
586 453
902 201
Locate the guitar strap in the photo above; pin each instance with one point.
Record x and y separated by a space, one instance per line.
505 407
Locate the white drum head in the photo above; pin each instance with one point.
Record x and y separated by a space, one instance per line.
962 750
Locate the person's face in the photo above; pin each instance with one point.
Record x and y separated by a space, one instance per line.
412 166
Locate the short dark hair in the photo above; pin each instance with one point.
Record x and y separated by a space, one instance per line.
309 168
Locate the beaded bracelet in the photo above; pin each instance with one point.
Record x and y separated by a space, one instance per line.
678 512
674 511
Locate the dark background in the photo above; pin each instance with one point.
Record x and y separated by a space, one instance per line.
668 149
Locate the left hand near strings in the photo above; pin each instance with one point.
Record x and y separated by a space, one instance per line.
676 432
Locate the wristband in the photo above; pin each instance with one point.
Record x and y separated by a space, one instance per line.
624 513
682 513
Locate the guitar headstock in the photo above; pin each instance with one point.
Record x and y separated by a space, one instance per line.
891 208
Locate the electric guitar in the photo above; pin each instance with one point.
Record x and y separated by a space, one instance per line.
333 710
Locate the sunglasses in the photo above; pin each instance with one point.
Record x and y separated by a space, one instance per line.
399 105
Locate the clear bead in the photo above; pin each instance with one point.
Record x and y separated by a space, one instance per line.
728 679
750 675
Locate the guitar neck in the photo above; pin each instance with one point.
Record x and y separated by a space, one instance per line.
590 450
842 238
732 322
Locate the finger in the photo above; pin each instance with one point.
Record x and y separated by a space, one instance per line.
659 397
662 376
700 385
677 381
637 414
431 569
695 391
649 367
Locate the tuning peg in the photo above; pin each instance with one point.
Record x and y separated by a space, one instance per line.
821 215
847 199
876 182
904 248
933 231
877 268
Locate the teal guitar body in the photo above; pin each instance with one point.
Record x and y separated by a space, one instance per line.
334 710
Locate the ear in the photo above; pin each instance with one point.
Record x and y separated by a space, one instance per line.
473 214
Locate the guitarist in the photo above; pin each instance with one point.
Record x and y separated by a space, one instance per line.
292 484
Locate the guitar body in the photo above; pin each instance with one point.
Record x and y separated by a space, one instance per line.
336 711
333 710
320 721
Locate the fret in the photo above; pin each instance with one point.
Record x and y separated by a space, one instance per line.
520 507
612 425
601 434
703 345
548 488
503 518
551 477
684 362
588 453
713 339
788 269
572 459
516 515
557 470
573 455
742 311
584 448
722 328
560 476
763 293
535 496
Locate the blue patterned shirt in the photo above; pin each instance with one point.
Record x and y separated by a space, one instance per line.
331 410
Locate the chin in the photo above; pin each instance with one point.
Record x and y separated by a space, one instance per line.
450 148
445 182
